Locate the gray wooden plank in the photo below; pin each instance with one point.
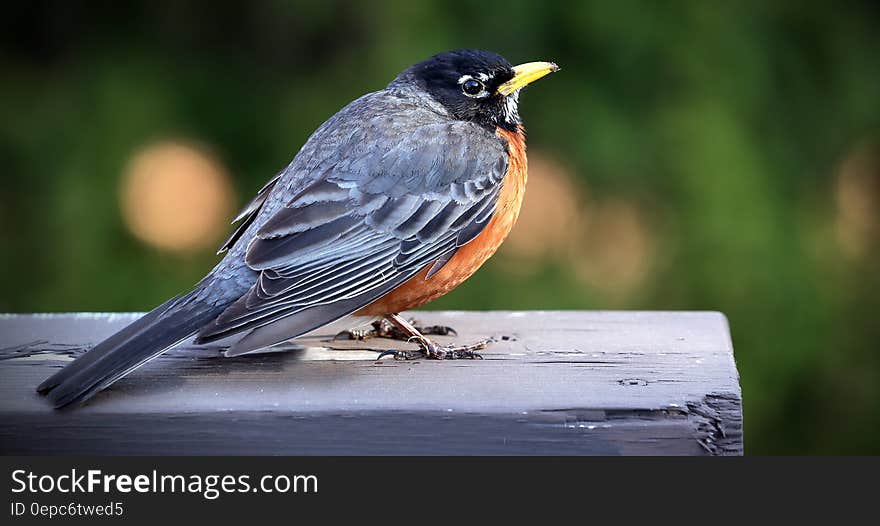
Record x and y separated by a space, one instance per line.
553 382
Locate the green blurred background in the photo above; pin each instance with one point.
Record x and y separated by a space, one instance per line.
689 155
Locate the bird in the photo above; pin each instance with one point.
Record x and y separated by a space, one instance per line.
392 202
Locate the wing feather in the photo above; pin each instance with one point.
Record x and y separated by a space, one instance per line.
381 206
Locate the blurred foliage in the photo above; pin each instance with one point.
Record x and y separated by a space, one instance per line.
725 124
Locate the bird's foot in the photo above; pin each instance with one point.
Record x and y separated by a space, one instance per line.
431 351
435 330
383 328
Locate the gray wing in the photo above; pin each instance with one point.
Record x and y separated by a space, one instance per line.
248 214
388 202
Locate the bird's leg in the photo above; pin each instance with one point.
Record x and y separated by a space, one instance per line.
383 328
429 349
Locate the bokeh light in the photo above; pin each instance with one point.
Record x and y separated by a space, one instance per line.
605 241
550 216
176 196
616 250
857 196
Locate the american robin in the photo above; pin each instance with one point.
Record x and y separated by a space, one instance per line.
391 203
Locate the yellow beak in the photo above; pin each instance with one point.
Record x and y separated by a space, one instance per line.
525 74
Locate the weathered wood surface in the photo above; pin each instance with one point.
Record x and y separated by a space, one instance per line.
609 383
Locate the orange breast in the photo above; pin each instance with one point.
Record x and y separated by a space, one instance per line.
418 290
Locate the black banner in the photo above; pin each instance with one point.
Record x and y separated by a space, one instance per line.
235 489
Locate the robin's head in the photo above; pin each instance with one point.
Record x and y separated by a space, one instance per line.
475 85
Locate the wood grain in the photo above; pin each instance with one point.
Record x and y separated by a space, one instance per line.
570 382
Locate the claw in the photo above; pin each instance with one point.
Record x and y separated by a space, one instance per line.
432 351
353 334
470 355
402 355
383 329
387 353
439 330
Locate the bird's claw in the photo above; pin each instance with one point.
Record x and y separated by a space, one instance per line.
431 351
378 329
382 328
358 334
438 330
401 355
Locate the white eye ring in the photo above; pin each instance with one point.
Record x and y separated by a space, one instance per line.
467 81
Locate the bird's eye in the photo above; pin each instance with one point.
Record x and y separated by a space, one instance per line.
472 87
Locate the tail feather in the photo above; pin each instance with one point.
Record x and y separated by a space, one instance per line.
148 337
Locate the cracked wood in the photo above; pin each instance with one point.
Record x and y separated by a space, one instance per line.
571 382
